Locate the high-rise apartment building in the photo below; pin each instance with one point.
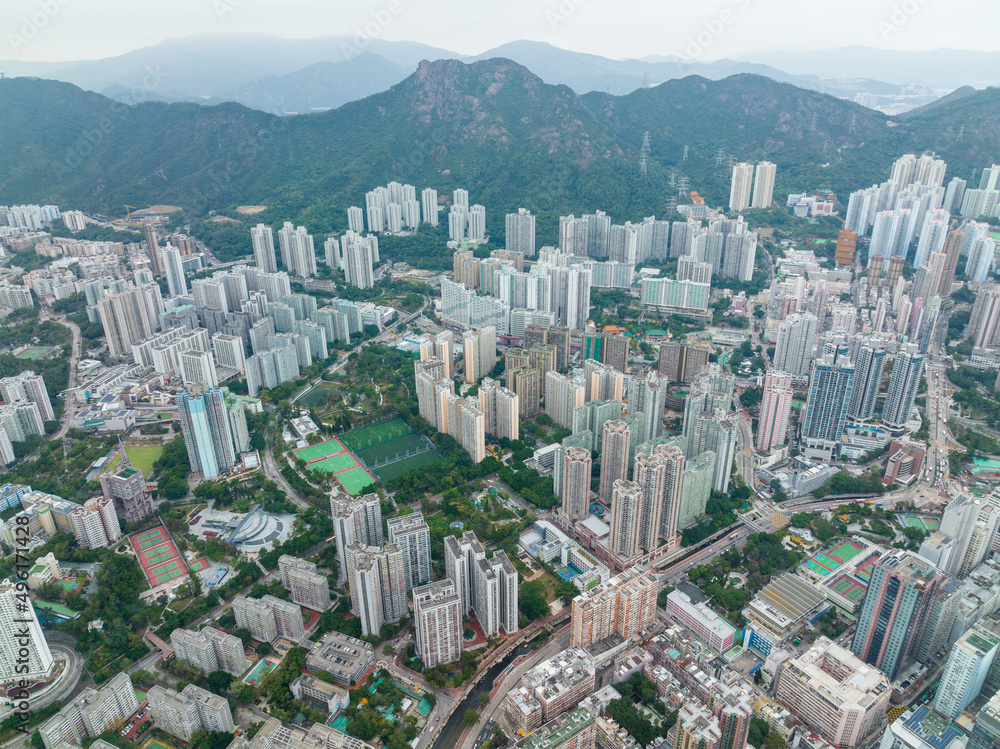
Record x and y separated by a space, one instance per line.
825 412
307 586
624 605
208 434
378 585
796 338
91 713
184 713
501 409
903 384
130 316
269 618
969 661
847 243
24 652
740 187
359 257
614 457
27 387
681 363
563 395
895 611
95 524
413 537
298 254
870 363
775 408
152 248
438 617
262 238
626 505
763 186
835 693
174 271
575 487
520 236
210 650
486 587
429 205
480 353
649 396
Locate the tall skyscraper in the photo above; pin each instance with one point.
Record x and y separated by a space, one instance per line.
176 282
27 387
412 535
796 338
262 238
763 187
208 435
775 408
740 188
969 661
830 388
614 457
355 519
130 316
480 350
429 205
297 252
500 408
520 236
152 248
626 506
22 656
563 395
648 397
952 252
903 384
867 380
378 585
715 432
575 484
437 614
895 611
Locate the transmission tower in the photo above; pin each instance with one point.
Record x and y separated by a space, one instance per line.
854 124
732 162
685 157
720 156
683 186
645 80
672 204
673 179
812 127
644 153
961 134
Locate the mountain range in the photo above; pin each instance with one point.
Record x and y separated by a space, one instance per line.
284 76
491 126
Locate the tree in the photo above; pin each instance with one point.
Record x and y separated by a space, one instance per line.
244 635
484 700
533 603
219 681
774 741
470 718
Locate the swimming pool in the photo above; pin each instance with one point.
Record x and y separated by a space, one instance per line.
259 671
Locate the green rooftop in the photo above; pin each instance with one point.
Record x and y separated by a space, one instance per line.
58 609
566 728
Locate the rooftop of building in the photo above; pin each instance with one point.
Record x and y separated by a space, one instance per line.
558 732
931 728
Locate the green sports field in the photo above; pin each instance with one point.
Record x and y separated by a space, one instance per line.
354 480
358 439
319 450
395 449
392 470
142 456
339 462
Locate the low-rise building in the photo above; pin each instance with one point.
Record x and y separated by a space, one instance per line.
347 659
550 689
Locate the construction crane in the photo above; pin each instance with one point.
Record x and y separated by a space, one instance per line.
129 212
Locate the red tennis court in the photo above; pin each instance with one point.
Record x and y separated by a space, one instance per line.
161 561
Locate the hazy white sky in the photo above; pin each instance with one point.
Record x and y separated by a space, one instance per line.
61 30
